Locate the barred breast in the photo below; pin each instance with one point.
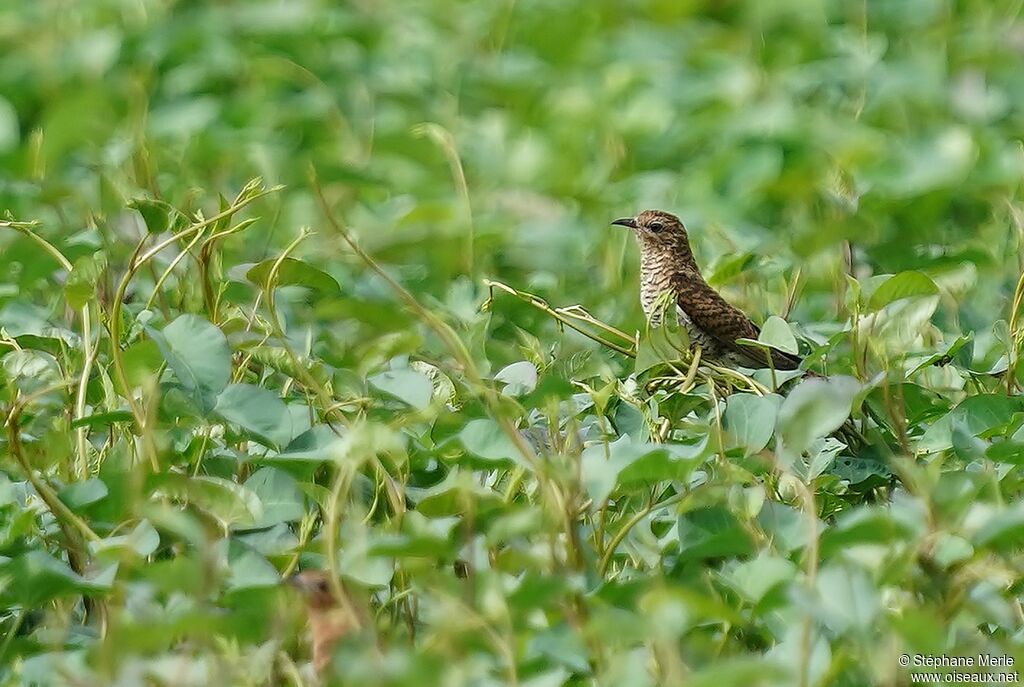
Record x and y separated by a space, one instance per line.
655 280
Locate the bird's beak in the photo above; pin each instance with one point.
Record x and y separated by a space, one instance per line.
626 222
293 581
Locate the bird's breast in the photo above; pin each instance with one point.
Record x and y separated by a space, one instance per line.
655 280
658 272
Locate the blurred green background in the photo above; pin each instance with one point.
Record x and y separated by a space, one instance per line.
810 146
776 130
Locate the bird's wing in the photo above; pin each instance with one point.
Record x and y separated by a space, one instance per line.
720 320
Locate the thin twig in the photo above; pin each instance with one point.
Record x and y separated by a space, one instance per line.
566 316
451 342
249 193
88 353
64 516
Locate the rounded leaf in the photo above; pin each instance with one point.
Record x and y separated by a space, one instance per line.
294 272
519 378
258 411
815 408
198 352
777 333
407 385
900 286
750 420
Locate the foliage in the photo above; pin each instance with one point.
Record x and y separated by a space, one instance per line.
410 350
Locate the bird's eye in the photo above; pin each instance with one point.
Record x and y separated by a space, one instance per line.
656 226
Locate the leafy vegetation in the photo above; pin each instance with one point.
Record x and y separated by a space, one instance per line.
309 284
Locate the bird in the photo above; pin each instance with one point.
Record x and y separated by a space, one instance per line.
669 274
329 621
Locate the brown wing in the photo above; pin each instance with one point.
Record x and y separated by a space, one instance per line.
723 322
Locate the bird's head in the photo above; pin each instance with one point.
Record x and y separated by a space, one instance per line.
658 230
315 587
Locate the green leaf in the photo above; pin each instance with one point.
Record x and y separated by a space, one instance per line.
409 386
750 420
740 671
712 532
519 378
294 272
955 352
102 419
320 443
276 540
976 415
282 501
229 503
665 462
900 286
556 677
142 540
182 524
630 420
80 287
847 598
30 370
143 361
923 629
789 528
802 650
660 344
603 466
157 215
449 496
864 525
81 494
18 319
485 439
419 536
815 408
356 562
36 577
364 440
950 550
258 411
756 578
820 456
858 470
199 354
1011 452
777 333
561 646
247 568
730 266
1004 528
